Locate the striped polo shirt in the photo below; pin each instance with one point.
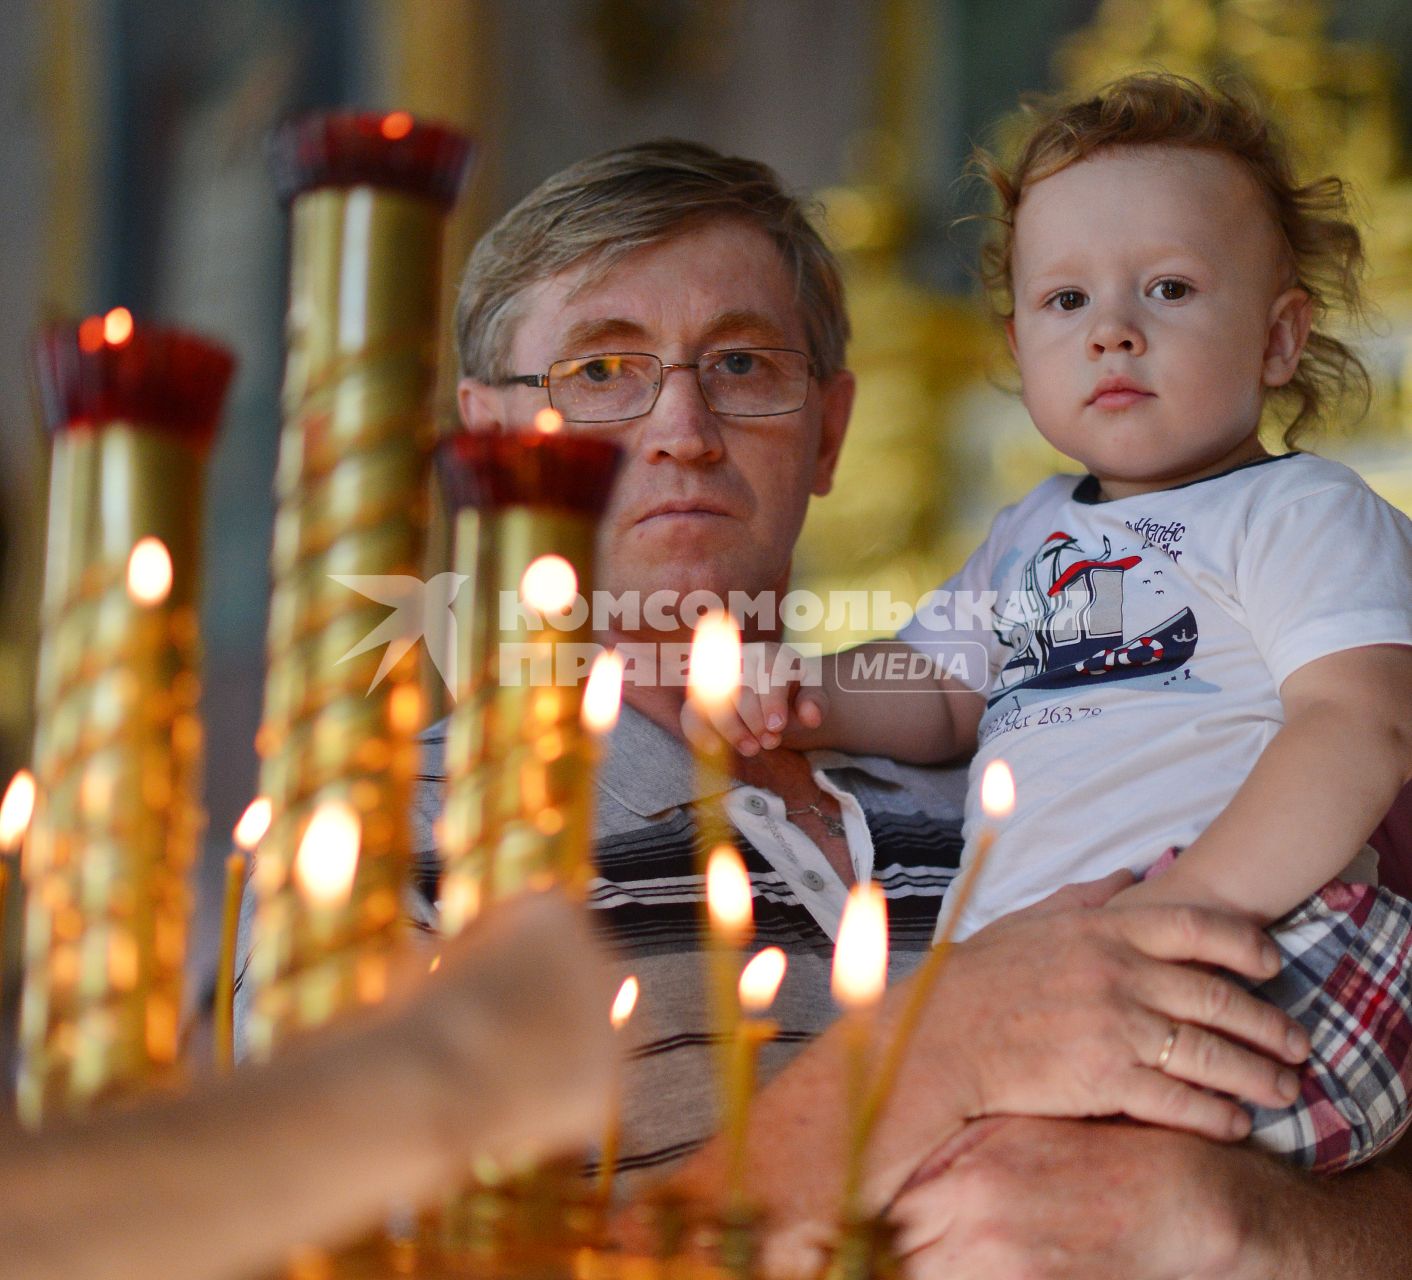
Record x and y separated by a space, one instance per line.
903 830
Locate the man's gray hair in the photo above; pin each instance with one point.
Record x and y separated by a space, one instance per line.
605 207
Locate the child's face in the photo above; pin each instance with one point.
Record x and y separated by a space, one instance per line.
1161 267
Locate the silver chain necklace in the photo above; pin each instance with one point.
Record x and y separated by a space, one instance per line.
831 824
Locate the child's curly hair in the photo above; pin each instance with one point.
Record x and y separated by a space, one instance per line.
1153 108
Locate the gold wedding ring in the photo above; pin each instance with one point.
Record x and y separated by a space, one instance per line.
1168 1045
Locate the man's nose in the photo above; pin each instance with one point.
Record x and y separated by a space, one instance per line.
680 425
1114 328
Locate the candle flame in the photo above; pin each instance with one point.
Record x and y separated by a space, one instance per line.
404 709
624 1003
253 824
860 957
603 694
549 584
548 421
149 572
117 326
713 672
997 790
728 891
17 809
328 855
397 125
760 980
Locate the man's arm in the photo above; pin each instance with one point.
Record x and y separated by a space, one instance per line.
506 1051
1061 1009
1082 1200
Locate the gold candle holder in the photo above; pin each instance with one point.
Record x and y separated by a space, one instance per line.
368 196
519 797
117 751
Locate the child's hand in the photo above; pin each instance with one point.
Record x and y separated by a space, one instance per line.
780 691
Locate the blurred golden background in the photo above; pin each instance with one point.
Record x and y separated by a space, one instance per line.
134 174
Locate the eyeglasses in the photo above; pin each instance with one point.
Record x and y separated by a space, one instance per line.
751 382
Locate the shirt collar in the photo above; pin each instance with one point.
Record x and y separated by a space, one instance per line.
649 771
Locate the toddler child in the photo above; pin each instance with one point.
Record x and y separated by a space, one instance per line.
1197 648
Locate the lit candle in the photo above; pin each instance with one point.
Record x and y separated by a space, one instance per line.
713 680
997 803
859 976
759 984
623 1005
16 810
327 861
728 907
603 693
249 831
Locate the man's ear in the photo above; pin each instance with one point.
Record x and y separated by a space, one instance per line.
836 392
480 405
1291 318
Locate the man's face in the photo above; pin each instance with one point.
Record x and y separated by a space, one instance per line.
703 502
1159 267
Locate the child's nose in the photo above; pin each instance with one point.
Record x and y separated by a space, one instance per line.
1114 330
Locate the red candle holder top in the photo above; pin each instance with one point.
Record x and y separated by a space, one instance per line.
109 369
529 468
353 149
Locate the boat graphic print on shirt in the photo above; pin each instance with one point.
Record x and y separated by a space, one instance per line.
1071 628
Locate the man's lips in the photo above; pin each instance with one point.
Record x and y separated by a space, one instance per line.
684 507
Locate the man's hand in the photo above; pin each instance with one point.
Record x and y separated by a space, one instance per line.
1061 1009
1090 999
511 1035
1085 1200
1079 1200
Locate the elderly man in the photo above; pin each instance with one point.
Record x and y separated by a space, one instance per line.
681 302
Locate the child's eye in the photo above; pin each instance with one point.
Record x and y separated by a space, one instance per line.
1067 299
1171 290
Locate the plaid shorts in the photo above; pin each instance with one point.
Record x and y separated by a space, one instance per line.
1347 977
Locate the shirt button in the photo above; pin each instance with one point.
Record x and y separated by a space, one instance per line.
813 880
756 804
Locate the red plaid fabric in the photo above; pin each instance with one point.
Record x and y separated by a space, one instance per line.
1347 976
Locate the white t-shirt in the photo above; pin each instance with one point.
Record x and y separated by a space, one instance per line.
1134 652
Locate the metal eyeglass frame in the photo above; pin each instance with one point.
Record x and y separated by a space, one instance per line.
541 380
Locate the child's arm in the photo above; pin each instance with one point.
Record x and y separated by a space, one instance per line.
853 701
1319 788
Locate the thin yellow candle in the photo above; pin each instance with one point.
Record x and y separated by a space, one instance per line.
713 680
859 976
16 810
603 693
249 831
728 905
759 984
623 1005
997 803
